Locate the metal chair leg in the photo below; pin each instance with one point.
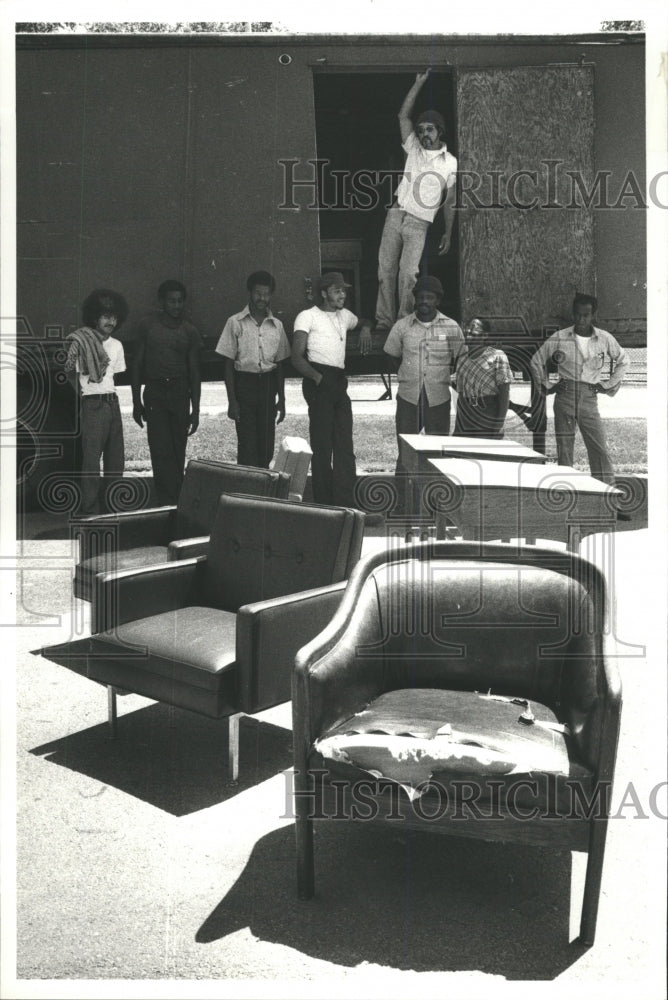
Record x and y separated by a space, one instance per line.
233 746
112 713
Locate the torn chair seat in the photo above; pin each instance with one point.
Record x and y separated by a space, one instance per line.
416 736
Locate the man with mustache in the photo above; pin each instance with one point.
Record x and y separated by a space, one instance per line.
429 173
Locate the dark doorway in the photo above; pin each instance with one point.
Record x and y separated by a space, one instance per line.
357 133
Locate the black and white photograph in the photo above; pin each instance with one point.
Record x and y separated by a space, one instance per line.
333 509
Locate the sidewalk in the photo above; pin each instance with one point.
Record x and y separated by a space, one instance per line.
630 401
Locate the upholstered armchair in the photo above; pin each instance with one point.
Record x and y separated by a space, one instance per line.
463 689
139 538
218 634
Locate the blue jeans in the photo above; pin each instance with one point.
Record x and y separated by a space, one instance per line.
401 247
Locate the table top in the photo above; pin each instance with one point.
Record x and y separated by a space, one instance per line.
437 445
478 472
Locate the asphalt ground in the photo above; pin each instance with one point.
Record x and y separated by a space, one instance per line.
141 872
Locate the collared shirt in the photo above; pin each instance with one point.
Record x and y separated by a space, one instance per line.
428 172
482 374
326 334
254 347
168 342
605 362
116 355
427 352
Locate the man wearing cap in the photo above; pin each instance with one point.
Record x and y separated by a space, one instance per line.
429 172
424 346
319 354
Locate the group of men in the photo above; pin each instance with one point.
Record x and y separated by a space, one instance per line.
423 345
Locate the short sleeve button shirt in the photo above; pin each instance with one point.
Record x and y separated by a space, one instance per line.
254 347
427 351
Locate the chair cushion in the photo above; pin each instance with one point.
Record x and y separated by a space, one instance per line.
109 562
185 658
417 736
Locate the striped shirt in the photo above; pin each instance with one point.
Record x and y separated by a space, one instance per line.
483 374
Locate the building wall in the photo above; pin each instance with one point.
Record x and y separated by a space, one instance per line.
143 161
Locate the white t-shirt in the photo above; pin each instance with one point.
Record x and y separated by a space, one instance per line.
326 334
114 350
428 172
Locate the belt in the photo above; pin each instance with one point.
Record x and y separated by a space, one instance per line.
100 395
327 368
168 378
254 374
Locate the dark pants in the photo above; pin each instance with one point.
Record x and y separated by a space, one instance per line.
167 408
101 438
330 415
478 418
410 419
256 426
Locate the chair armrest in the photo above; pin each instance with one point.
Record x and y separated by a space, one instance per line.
127 530
128 595
188 548
269 633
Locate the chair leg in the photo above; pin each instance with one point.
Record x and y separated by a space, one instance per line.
233 746
592 886
112 713
304 838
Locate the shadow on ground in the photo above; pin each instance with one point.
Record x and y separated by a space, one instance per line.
172 759
408 901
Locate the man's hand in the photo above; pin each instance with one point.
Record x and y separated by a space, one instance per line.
420 78
280 410
193 423
233 410
444 245
138 414
365 339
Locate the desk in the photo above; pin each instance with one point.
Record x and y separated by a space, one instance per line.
418 449
489 499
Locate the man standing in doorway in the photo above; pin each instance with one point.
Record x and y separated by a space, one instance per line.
429 173
319 354
589 361
254 345
167 360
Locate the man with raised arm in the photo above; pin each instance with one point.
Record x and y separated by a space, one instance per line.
427 183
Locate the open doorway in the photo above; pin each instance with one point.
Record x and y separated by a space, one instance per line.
357 133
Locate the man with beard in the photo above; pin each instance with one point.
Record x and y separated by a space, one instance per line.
429 172
254 344
318 354
424 347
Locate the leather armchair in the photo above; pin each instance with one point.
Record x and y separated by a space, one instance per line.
218 634
138 538
464 689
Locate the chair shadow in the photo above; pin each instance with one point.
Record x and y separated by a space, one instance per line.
173 759
409 901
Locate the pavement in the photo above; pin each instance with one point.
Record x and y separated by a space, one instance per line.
138 870
630 401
